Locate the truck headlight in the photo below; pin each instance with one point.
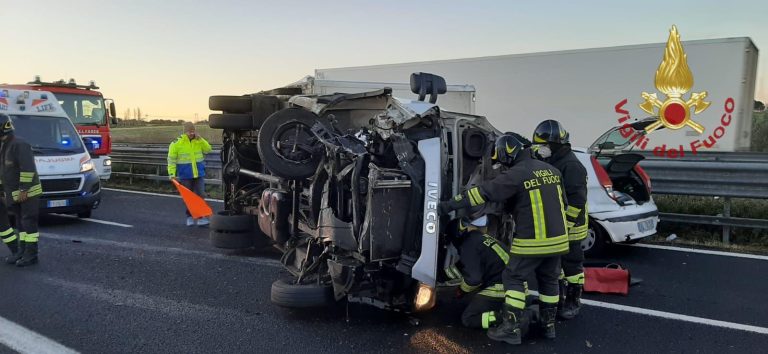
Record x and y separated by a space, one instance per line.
425 298
108 162
86 166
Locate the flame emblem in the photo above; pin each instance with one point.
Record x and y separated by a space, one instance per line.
674 79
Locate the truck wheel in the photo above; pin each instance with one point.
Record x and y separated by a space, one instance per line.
230 104
287 294
231 240
287 145
228 221
230 121
597 241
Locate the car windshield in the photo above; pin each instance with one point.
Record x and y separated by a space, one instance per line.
48 135
83 109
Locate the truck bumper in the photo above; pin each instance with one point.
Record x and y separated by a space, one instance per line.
103 166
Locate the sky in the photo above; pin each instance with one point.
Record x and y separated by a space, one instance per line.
167 57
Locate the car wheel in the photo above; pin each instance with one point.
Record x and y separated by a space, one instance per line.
230 104
597 241
232 240
287 145
288 294
228 221
230 121
84 214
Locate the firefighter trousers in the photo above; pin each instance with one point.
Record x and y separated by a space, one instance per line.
546 270
573 263
24 217
7 234
482 312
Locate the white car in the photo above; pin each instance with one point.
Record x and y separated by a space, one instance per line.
621 208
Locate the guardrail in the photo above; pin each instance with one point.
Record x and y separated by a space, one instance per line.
725 175
740 175
155 157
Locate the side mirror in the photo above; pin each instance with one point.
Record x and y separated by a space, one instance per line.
608 145
425 83
113 112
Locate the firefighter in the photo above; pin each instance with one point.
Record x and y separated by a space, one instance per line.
186 163
22 189
533 191
481 262
555 148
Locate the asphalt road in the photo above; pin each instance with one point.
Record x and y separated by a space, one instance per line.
147 283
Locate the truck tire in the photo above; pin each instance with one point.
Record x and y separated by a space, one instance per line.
231 240
597 241
228 221
287 146
230 104
286 294
230 121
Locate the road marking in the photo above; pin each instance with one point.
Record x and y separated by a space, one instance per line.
676 316
148 248
694 250
26 341
156 194
95 220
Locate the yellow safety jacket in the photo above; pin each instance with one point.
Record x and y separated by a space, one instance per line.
186 157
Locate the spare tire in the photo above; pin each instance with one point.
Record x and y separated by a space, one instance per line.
228 221
230 121
230 104
232 240
287 145
287 294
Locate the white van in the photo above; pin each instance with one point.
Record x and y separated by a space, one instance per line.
67 174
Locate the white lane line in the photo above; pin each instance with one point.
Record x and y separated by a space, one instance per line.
95 220
148 248
675 316
26 341
156 194
694 250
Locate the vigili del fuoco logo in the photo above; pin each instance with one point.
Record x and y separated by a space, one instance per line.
675 110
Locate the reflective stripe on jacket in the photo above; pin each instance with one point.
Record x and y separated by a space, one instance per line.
19 172
575 184
186 158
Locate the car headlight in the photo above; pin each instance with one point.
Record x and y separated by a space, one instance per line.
108 162
86 166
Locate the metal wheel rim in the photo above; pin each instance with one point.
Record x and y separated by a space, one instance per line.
590 241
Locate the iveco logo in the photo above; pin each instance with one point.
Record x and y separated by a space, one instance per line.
430 215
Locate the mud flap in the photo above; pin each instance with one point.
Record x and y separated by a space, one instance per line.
425 268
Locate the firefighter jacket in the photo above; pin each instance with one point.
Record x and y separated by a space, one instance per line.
19 172
186 158
575 184
482 260
533 193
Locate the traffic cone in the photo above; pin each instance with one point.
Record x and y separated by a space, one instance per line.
195 204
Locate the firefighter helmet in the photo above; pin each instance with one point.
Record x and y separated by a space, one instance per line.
507 148
550 131
6 126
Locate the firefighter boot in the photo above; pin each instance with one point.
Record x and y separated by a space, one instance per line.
29 256
572 302
17 248
547 322
561 303
510 330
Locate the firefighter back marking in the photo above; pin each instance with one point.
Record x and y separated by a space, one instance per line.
542 177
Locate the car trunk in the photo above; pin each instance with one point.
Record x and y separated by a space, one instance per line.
613 150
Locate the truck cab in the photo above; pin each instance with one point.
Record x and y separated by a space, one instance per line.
70 182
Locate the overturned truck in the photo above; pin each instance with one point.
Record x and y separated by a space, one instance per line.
347 187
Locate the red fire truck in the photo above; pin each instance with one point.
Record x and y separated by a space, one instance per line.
87 109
